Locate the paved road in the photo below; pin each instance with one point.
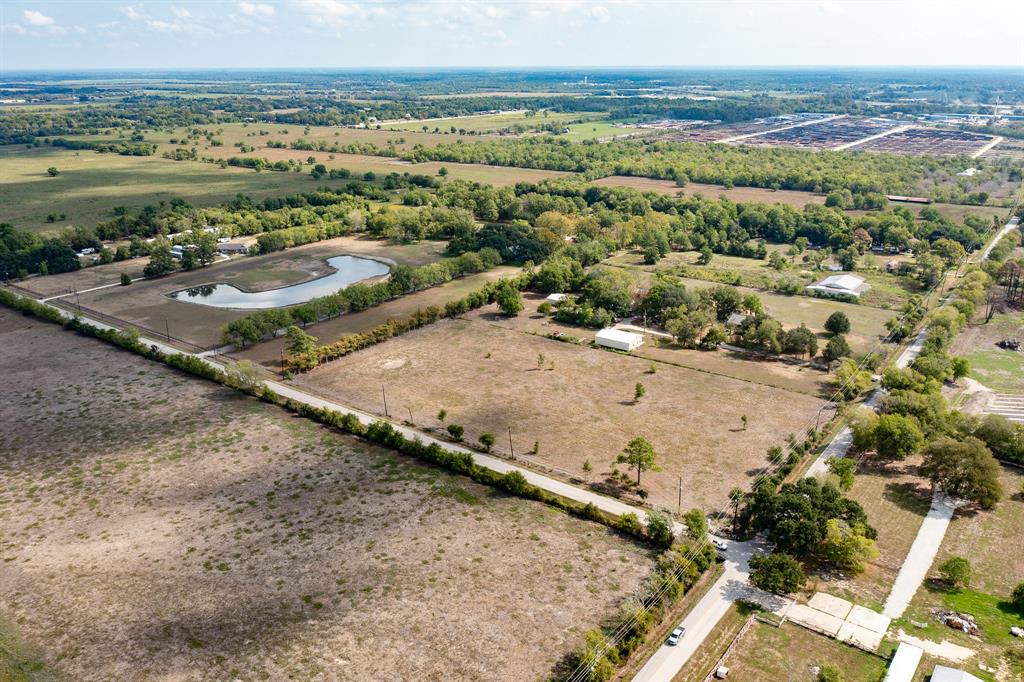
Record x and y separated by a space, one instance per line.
921 555
1010 225
733 585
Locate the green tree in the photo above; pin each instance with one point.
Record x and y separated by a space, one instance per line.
639 391
125 279
487 440
778 573
441 414
298 341
850 380
696 524
1017 598
508 299
836 349
837 323
847 546
705 256
161 261
243 375
456 431
659 529
52 171
956 571
897 436
964 469
829 673
736 496
639 454
843 469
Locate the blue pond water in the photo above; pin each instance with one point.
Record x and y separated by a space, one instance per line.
350 269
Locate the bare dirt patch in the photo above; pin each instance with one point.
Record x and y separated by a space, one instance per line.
487 378
153 526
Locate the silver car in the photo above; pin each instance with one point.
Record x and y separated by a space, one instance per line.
676 635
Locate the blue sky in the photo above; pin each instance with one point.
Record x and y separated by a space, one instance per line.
355 33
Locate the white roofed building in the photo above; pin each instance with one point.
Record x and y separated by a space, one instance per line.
618 339
840 286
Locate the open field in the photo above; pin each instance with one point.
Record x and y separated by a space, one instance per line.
988 539
724 362
268 353
736 194
896 501
258 134
487 378
490 123
174 529
90 185
789 653
597 130
998 369
145 304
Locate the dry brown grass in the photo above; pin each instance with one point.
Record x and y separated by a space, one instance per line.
153 526
736 194
486 376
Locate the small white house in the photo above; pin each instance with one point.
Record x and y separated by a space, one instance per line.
618 339
555 299
840 286
904 663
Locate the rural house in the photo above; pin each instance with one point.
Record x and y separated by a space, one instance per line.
840 286
618 339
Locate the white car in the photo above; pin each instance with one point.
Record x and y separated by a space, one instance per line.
720 545
676 635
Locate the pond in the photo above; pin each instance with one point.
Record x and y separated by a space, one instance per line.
349 270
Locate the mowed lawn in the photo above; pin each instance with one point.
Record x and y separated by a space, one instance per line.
487 379
175 529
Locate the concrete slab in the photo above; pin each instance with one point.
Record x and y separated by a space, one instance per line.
944 649
816 620
834 606
866 618
860 637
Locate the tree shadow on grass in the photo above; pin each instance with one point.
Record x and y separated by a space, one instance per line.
909 496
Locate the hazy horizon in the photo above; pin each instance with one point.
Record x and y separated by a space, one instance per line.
574 34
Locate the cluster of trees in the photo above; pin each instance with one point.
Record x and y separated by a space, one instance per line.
811 519
403 279
22 253
775 168
124 148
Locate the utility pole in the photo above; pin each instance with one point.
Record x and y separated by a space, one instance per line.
411 421
385 396
510 448
167 329
679 503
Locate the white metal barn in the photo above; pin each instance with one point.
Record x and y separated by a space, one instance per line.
618 339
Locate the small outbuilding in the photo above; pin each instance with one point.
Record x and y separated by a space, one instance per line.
943 674
554 299
736 320
230 248
618 339
840 286
904 663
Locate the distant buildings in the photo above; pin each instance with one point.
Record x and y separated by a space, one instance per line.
840 286
230 248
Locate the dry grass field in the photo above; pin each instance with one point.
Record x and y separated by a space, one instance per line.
153 526
790 377
486 376
268 353
146 305
896 500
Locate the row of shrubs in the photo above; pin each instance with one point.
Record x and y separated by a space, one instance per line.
304 362
404 279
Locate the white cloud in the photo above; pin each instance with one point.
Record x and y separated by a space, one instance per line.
13 28
337 13
180 12
132 13
600 12
165 26
256 9
35 18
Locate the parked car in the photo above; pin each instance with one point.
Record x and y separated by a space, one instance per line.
676 635
720 545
